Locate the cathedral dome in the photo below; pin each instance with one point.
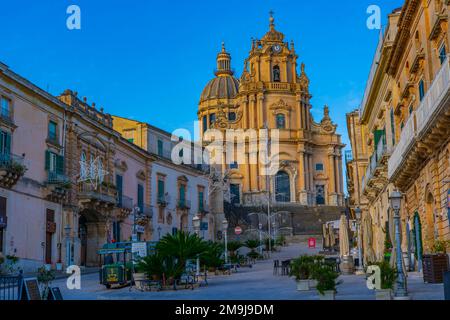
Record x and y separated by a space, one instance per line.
221 87
224 85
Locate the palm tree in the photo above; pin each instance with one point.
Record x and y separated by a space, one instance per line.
182 247
212 257
234 246
252 244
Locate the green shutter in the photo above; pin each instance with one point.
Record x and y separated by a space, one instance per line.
378 134
59 164
47 160
8 143
141 197
160 189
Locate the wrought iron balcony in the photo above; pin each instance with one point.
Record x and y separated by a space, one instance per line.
183 204
102 193
432 109
377 164
162 200
11 169
203 208
54 178
125 203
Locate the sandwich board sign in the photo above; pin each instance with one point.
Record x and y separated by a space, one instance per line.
30 289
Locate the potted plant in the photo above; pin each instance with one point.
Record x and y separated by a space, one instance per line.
388 276
301 269
45 277
316 263
326 282
436 263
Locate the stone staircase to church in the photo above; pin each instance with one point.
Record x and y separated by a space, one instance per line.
304 220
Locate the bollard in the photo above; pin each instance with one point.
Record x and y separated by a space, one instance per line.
447 285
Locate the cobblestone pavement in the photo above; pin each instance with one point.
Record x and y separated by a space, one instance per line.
257 283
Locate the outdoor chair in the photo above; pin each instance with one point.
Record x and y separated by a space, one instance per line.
276 267
285 267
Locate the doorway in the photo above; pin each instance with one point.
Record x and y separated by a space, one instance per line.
82 233
320 195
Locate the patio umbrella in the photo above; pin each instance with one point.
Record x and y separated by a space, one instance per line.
332 238
344 245
369 254
326 238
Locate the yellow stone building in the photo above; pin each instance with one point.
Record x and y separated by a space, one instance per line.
272 94
404 121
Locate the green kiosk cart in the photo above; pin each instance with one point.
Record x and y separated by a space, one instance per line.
116 260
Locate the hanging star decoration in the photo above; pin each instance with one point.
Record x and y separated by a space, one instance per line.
92 172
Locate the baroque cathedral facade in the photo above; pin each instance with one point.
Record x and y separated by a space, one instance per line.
272 94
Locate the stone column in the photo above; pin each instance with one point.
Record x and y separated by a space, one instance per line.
331 179
253 112
303 195
260 111
311 177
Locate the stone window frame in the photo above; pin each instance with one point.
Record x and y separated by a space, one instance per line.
182 181
10 97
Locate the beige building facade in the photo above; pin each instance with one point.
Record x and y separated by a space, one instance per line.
404 120
272 94
69 182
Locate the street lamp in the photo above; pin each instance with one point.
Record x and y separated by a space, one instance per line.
196 224
400 289
159 232
260 226
68 246
358 212
225 232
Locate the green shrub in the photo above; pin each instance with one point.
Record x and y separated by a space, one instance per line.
326 279
302 267
212 257
388 274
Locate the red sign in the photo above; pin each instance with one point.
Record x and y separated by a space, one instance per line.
238 230
312 243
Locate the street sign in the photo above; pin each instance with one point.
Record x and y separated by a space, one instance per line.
312 243
140 229
140 248
237 230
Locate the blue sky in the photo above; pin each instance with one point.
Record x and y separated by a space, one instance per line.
150 60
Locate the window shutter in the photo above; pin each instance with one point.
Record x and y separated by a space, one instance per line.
160 188
141 197
59 164
8 143
47 160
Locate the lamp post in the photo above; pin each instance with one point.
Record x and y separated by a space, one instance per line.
159 232
360 269
196 224
401 291
136 212
68 245
260 226
225 233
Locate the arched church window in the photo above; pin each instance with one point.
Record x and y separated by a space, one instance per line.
276 74
281 121
282 187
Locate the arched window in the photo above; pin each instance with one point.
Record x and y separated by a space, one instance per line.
281 121
276 74
282 187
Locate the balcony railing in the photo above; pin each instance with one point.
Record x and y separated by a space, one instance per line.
279 86
147 210
6 115
420 119
204 207
9 160
375 161
125 202
101 191
57 178
162 199
183 204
